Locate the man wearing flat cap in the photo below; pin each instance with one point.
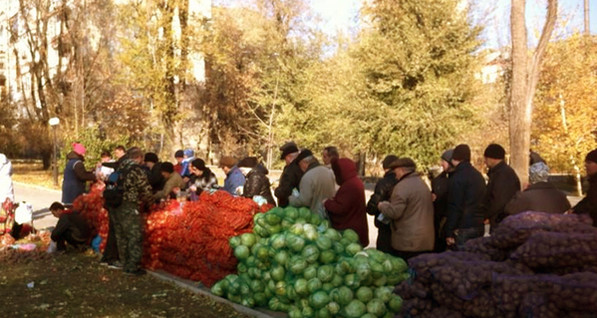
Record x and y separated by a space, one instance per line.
411 211
317 184
502 186
235 180
464 208
291 175
588 205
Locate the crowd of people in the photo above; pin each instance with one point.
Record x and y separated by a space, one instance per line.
411 217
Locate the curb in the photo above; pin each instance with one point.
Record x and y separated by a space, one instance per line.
192 286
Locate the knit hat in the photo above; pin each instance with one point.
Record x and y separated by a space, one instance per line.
199 164
288 148
495 151
79 148
403 162
462 152
538 172
387 161
447 155
592 156
227 161
304 154
151 157
179 154
248 162
188 153
167 167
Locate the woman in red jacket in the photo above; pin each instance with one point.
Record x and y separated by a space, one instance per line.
347 208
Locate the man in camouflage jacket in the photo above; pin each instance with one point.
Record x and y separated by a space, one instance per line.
128 225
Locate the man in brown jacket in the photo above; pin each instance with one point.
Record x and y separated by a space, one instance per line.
411 210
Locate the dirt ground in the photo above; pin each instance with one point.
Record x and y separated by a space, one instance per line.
36 284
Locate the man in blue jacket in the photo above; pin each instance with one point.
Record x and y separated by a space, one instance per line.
235 180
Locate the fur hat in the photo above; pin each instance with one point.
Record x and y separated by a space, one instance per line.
248 162
403 162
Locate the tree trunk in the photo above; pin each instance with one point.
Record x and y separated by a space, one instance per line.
519 121
587 25
523 83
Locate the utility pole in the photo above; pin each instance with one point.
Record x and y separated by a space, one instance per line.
587 26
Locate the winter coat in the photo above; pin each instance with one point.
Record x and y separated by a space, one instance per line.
155 177
382 192
541 197
204 182
71 224
317 184
6 189
503 185
290 179
257 183
464 204
411 210
75 177
588 205
439 187
347 208
234 180
174 181
136 185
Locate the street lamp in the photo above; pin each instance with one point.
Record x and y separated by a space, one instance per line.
54 121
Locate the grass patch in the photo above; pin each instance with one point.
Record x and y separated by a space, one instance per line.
32 172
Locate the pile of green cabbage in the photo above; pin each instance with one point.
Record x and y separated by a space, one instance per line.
293 261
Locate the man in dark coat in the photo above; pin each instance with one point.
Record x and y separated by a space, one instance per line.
71 228
154 174
464 208
588 205
503 184
291 175
75 174
257 183
382 192
439 192
541 195
347 208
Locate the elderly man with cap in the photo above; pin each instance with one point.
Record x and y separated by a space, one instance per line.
502 186
154 172
235 180
382 192
291 175
75 174
411 211
588 205
464 209
540 195
439 194
317 184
